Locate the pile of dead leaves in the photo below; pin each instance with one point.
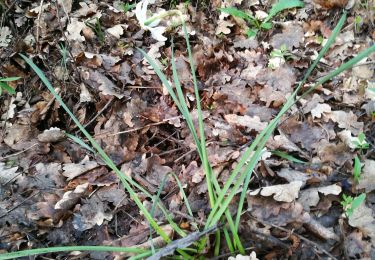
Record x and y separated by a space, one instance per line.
56 192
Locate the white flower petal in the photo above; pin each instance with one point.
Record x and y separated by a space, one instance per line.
157 33
141 11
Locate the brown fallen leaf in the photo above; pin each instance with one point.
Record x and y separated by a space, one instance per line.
328 4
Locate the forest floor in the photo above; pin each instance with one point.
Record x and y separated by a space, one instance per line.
311 194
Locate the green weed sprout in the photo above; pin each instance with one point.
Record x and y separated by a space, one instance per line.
97 28
357 169
255 25
360 142
350 204
4 85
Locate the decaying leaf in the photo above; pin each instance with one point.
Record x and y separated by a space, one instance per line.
5 36
52 135
291 37
92 212
74 29
277 213
7 173
363 218
310 197
70 198
367 179
97 80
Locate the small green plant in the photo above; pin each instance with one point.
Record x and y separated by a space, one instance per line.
287 156
360 142
255 24
279 56
97 28
64 56
4 85
357 169
358 21
349 204
127 7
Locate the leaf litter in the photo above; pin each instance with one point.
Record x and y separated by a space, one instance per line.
55 192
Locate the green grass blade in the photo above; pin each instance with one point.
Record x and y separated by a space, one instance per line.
9 79
287 156
282 5
205 162
80 142
237 13
184 107
30 252
7 88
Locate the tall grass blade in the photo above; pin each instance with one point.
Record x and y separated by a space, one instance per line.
31 252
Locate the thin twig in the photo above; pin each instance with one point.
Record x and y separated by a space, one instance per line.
100 112
17 153
38 25
19 204
139 128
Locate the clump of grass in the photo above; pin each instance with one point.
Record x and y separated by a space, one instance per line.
219 197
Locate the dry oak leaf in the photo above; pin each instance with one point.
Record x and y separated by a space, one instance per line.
320 109
252 256
278 84
86 10
367 180
251 123
72 170
74 29
310 197
291 37
116 31
357 246
5 36
283 192
347 120
223 27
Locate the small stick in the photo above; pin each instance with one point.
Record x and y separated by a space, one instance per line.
139 128
17 153
99 113
19 204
